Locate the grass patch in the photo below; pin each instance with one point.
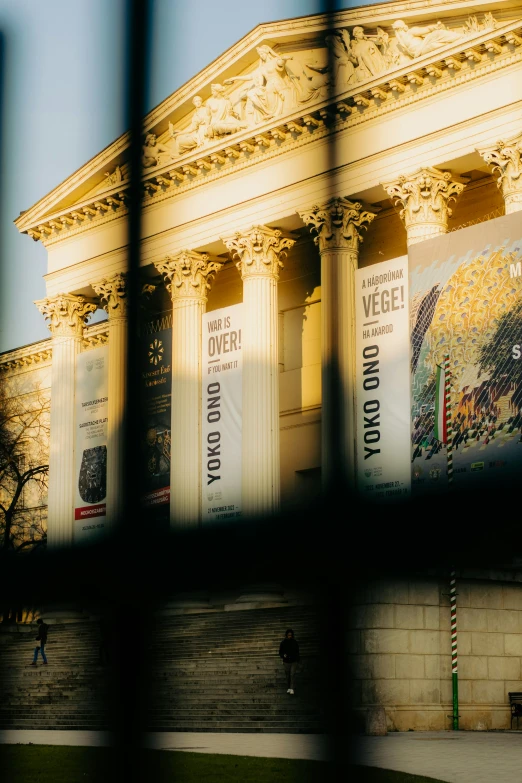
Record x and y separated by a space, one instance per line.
63 764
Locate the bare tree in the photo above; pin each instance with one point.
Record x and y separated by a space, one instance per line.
24 467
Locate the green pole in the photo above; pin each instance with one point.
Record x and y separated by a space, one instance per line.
454 656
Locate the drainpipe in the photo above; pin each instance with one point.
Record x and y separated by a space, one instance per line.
454 667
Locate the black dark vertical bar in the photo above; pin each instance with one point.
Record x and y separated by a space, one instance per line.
128 668
338 494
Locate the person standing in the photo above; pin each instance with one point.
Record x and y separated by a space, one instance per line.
42 638
289 654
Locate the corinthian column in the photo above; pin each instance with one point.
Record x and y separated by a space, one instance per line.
67 314
337 225
190 276
506 158
113 292
260 251
425 196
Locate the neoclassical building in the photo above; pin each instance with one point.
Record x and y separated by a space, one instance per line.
312 147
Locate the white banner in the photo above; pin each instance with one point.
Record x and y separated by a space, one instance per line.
383 380
91 443
221 414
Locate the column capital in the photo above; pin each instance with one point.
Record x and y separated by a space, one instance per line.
190 274
67 313
505 156
260 251
425 195
114 291
336 224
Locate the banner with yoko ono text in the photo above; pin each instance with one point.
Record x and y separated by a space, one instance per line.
465 291
221 414
382 381
91 443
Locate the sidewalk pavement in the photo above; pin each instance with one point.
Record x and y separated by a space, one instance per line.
455 757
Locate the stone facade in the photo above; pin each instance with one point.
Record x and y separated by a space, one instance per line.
400 651
311 148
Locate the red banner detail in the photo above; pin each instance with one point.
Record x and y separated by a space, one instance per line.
86 512
158 497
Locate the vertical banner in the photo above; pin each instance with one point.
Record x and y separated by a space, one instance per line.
383 380
221 414
155 347
466 373
91 443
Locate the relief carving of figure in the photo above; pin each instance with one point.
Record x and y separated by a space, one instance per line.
370 60
267 88
197 132
154 153
114 178
341 55
337 67
223 118
390 49
417 41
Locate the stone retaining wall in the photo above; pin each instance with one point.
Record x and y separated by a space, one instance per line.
399 652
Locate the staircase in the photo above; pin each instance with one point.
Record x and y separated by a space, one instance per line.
213 671
68 693
221 671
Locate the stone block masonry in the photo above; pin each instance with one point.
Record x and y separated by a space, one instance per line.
399 650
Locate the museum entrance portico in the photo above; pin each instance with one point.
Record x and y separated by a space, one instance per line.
293 172
303 153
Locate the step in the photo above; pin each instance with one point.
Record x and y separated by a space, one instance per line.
214 671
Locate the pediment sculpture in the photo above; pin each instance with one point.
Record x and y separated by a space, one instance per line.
282 83
154 152
113 178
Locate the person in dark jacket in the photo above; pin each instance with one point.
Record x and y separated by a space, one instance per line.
289 654
42 638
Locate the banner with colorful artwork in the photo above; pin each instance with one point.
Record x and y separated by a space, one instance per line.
466 315
155 345
91 443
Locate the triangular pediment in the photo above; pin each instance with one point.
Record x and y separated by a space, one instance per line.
279 81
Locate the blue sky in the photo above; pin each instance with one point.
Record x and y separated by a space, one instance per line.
62 79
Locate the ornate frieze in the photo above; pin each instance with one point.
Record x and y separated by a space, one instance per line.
66 313
280 83
260 251
425 196
336 224
113 292
322 90
189 274
506 158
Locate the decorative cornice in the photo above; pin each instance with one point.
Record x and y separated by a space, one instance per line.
114 291
429 75
260 251
95 335
335 224
30 356
425 195
66 313
27 357
190 274
506 158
